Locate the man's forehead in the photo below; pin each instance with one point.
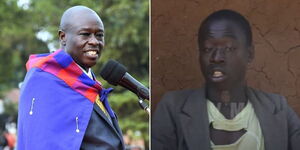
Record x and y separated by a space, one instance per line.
223 41
223 28
86 26
100 28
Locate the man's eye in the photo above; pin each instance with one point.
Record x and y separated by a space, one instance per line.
208 49
100 35
229 49
85 34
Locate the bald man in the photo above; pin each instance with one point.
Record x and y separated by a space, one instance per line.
62 105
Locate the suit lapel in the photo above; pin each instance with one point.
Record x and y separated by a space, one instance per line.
116 125
271 123
113 123
194 121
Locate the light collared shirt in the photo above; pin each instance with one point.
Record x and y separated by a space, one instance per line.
246 119
89 73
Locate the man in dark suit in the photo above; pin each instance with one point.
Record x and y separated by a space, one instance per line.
225 114
62 105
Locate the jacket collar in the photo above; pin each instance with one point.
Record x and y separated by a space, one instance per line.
195 124
271 119
194 121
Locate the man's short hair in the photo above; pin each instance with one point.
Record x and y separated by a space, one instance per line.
228 15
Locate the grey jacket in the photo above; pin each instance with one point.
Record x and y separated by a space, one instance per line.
180 121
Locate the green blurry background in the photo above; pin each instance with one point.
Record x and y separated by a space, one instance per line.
30 26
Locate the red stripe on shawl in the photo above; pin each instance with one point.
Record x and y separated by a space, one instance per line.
67 77
76 71
37 61
32 60
91 93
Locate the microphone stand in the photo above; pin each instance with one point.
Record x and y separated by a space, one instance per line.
144 105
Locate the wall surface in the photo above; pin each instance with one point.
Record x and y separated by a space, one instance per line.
276 34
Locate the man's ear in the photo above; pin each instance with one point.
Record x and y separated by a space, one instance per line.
251 53
62 38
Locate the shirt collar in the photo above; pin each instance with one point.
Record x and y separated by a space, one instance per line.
88 73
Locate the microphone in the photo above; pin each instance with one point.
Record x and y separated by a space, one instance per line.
116 74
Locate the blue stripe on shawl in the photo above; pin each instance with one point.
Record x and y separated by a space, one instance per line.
86 80
63 59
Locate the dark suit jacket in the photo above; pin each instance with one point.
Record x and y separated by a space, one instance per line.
101 133
181 121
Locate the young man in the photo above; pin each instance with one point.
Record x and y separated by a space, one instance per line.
62 105
226 114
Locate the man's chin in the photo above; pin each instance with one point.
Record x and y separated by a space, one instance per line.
219 84
90 65
90 62
218 79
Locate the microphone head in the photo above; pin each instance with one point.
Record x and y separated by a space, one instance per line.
113 72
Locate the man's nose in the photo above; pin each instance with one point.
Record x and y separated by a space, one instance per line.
217 56
93 40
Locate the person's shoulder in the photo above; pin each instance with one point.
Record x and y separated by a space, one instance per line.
277 99
172 102
36 77
265 93
182 92
35 72
177 96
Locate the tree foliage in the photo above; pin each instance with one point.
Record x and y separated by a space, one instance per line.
126 38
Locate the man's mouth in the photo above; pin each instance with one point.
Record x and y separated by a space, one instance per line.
217 74
91 53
